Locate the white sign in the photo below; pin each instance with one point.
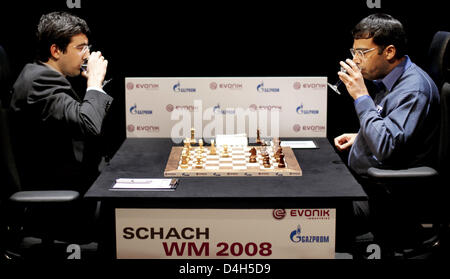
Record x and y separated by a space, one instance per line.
225 233
277 106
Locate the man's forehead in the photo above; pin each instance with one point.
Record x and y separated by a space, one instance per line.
363 43
79 39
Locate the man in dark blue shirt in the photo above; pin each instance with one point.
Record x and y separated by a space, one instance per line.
399 121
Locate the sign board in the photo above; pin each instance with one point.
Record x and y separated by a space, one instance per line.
277 106
225 233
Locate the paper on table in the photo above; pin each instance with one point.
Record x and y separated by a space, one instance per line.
144 183
299 144
230 140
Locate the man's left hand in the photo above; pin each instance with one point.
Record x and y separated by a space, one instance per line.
353 79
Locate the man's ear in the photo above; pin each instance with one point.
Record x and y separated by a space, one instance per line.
55 52
390 52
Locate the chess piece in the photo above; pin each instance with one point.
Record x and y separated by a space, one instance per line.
264 152
184 161
184 152
252 155
266 161
277 154
187 144
212 150
258 138
192 140
276 144
200 143
281 163
199 163
225 153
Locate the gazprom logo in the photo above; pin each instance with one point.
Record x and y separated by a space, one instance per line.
177 88
219 110
297 237
260 88
301 110
135 110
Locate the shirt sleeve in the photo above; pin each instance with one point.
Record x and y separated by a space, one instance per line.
96 88
385 134
359 99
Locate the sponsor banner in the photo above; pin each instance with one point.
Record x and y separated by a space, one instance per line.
278 106
225 233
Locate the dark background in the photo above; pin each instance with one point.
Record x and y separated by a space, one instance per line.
220 38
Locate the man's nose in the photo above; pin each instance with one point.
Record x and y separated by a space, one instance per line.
357 61
86 55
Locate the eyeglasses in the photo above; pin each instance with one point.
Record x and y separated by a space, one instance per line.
360 52
83 48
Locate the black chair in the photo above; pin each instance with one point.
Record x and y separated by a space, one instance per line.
438 67
421 193
26 213
5 75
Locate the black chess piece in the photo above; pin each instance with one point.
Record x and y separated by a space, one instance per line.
281 163
266 161
258 138
277 154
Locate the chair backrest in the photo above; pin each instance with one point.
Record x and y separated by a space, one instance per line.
438 67
9 176
444 142
10 181
5 78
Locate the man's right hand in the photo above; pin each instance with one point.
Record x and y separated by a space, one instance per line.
344 141
96 72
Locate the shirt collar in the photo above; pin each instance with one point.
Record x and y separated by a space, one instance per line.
389 80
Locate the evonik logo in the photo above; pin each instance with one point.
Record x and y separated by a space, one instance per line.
225 85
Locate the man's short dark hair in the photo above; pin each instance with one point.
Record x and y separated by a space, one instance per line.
57 28
385 30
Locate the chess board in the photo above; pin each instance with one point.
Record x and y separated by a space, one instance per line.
237 164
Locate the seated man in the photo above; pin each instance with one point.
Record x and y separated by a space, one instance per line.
399 121
56 129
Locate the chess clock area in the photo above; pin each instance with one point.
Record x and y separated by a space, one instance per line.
231 157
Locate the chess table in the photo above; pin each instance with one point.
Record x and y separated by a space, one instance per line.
325 182
235 164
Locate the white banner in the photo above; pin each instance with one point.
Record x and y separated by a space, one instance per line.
277 106
225 233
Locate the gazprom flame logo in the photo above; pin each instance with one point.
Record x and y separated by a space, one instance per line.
301 110
295 235
134 110
177 88
260 88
